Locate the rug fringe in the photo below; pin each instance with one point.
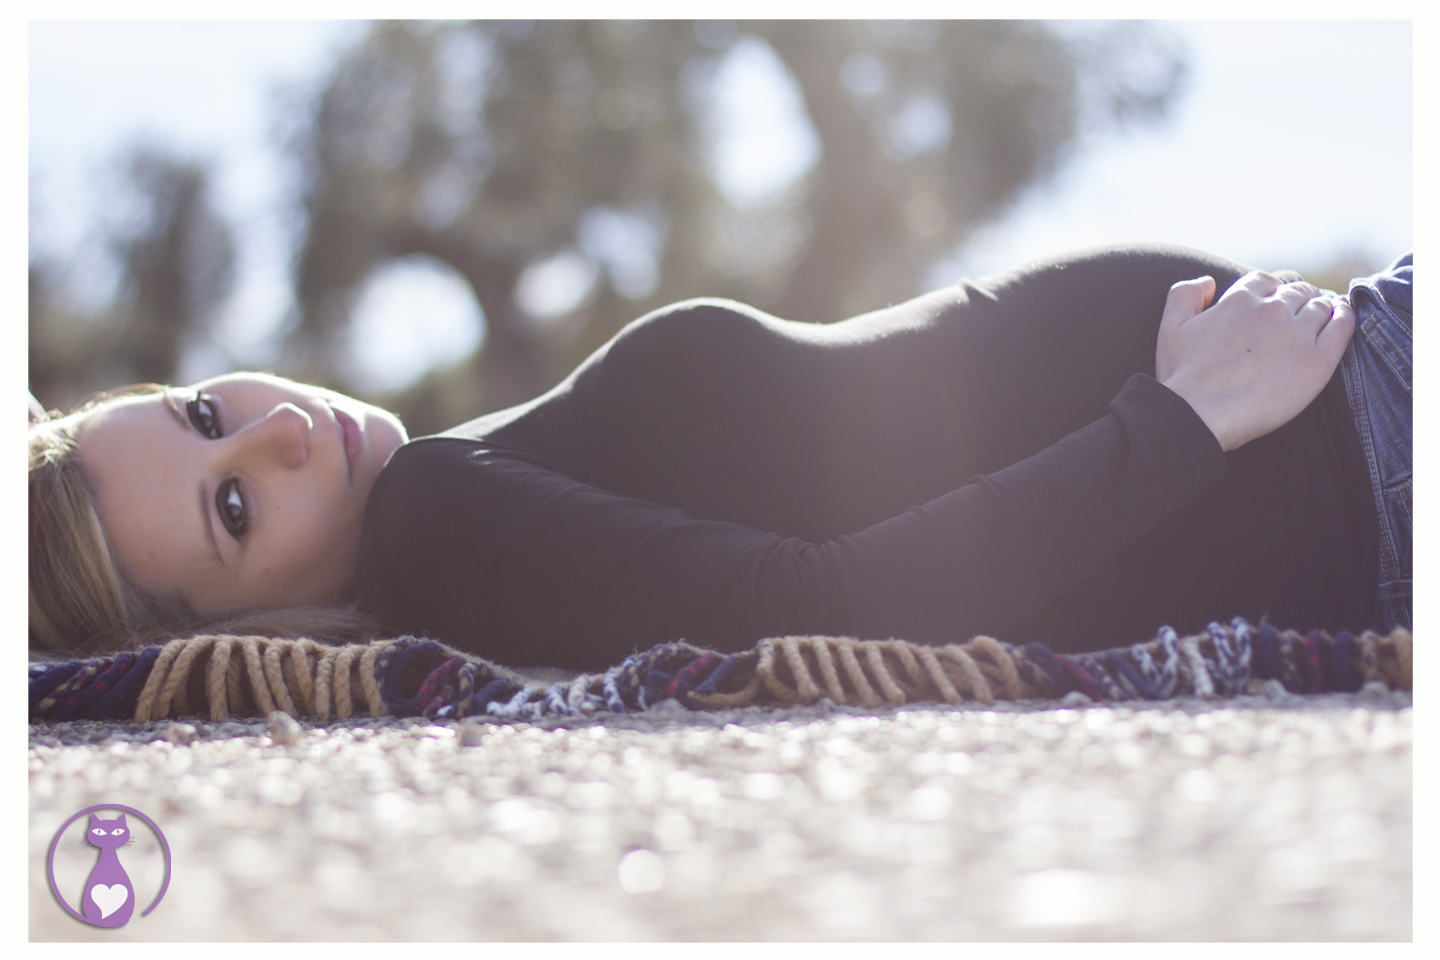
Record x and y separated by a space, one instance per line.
224 676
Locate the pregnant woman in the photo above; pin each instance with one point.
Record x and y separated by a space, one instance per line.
1076 452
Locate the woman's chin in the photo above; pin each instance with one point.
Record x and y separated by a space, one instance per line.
384 433
390 433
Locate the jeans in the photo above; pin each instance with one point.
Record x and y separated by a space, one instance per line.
1377 373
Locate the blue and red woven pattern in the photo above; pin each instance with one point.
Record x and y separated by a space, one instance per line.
418 677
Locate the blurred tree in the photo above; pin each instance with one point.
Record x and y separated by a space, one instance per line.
62 347
176 262
1336 271
499 148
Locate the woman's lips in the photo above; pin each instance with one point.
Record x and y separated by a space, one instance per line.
353 440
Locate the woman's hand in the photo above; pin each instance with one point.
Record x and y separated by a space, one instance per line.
1254 360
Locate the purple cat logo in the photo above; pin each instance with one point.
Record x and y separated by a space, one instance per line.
109 896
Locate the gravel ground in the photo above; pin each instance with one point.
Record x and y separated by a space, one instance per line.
1243 819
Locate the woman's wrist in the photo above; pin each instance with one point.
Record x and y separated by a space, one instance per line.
1208 409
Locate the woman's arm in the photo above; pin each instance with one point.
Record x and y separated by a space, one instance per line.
497 553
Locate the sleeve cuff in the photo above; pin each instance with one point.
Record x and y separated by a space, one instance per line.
1144 398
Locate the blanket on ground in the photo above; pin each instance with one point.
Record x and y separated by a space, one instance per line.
220 676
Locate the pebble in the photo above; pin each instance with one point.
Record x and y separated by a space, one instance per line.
471 734
1274 690
284 728
1375 690
182 734
432 732
1076 699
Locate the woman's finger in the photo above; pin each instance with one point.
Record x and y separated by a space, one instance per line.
1186 299
1296 295
1336 330
1258 282
1314 314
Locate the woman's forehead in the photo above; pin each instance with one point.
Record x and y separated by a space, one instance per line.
119 410
247 378
132 434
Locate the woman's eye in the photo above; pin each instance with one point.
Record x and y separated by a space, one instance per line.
231 507
204 416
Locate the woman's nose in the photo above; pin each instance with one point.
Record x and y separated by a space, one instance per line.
284 433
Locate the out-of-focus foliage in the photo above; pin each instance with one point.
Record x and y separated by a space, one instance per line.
1336 272
176 260
495 147
506 149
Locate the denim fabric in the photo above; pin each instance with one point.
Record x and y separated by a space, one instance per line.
1377 373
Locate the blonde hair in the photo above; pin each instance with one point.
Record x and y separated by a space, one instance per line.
81 599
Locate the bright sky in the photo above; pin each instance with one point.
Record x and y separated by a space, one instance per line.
205 88
1279 154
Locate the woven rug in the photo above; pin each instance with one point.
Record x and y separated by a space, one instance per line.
223 676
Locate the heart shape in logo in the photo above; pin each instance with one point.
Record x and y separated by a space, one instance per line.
108 899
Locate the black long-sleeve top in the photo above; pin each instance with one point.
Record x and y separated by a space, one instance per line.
989 458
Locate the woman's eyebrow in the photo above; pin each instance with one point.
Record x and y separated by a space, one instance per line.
174 408
209 525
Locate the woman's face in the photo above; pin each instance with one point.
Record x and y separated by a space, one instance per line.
246 490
